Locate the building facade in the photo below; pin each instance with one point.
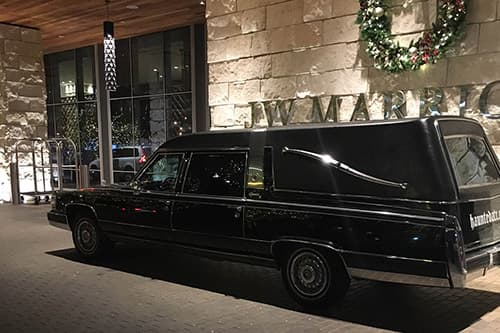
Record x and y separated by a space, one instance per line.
275 62
23 110
226 64
153 101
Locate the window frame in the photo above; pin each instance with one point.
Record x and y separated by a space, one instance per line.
491 153
208 152
153 159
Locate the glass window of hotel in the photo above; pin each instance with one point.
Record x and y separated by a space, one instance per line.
123 132
85 74
149 122
148 73
179 114
61 77
49 78
123 76
88 133
178 60
71 105
138 128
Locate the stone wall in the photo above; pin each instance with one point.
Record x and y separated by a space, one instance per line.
262 50
22 98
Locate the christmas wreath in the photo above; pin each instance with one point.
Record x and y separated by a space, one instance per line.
375 28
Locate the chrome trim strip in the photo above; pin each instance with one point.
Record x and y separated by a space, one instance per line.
494 250
493 197
142 226
482 246
398 277
328 160
60 225
351 210
392 257
354 196
427 225
236 200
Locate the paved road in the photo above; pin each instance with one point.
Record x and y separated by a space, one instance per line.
44 287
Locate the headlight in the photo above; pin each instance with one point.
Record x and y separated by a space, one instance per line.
53 201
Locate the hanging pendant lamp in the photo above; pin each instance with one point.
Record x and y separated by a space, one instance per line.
109 53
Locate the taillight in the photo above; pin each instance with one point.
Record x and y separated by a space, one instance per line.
142 159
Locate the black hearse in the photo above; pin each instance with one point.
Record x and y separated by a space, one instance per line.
411 201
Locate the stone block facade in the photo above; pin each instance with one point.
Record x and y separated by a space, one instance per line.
23 112
275 50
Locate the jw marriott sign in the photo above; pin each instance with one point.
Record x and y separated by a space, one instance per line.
326 108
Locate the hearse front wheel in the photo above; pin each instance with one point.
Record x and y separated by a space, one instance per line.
312 279
89 240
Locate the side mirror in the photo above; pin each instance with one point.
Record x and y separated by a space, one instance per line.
135 185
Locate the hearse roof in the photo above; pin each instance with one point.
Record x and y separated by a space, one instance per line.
233 138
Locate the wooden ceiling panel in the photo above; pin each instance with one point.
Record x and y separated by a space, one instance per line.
68 24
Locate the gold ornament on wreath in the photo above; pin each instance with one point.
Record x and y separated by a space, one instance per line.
375 28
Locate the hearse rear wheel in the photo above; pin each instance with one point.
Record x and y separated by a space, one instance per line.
312 279
89 240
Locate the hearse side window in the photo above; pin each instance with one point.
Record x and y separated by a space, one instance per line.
161 174
216 174
471 160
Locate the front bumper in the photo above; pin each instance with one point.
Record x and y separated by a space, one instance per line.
58 220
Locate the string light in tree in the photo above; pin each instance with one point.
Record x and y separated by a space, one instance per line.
375 28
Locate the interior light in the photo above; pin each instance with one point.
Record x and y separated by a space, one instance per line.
109 57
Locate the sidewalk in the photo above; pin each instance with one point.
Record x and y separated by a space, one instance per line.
45 287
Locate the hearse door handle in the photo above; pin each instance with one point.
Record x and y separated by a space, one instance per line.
254 195
237 214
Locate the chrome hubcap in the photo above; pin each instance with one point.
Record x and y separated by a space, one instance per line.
86 236
309 274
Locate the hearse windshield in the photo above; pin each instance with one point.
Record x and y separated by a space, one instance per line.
472 162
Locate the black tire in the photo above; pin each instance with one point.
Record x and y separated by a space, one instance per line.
314 279
90 242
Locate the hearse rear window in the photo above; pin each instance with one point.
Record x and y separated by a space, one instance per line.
471 160
216 174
